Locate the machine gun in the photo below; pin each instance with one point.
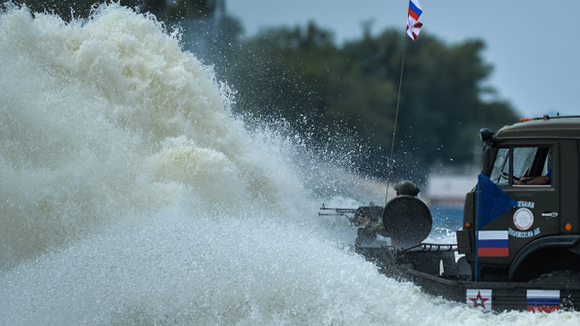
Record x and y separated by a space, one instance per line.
338 211
362 215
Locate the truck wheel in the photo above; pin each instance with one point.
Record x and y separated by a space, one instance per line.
558 277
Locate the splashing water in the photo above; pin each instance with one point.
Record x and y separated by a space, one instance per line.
130 195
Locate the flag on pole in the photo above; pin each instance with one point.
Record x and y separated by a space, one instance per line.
415 9
492 202
413 24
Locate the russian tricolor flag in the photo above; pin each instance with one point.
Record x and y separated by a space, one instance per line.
493 244
415 9
543 300
413 24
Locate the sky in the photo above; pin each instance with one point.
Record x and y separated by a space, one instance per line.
533 45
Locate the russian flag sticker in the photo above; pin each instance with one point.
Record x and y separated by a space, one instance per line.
493 244
543 300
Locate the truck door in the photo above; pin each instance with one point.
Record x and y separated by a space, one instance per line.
538 211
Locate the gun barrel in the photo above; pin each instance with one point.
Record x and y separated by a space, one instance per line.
339 210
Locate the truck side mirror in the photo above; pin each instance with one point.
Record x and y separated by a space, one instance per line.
486 135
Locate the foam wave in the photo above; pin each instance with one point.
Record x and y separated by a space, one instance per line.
108 116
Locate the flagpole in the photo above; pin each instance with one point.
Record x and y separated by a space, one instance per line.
413 24
396 118
477 225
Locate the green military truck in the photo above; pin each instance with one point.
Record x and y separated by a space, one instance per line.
526 256
536 163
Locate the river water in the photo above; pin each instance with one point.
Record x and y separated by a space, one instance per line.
130 195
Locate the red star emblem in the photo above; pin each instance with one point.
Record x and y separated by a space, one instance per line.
478 301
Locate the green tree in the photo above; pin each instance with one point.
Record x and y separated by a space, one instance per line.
301 76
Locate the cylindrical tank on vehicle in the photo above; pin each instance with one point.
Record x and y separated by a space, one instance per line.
407 221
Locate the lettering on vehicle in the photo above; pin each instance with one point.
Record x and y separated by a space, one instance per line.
522 234
527 204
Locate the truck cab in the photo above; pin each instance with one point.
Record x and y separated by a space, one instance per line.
536 162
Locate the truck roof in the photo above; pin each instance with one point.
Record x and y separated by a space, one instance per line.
545 127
